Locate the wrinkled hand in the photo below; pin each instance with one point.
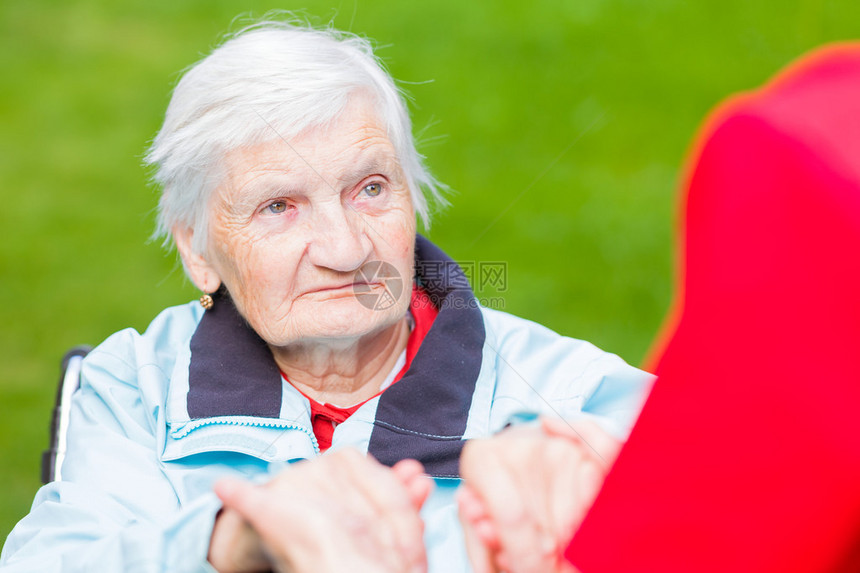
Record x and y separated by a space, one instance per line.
527 489
340 512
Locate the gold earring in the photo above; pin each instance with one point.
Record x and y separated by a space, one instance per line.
206 301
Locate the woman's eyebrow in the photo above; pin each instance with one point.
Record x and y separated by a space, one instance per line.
383 166
264 187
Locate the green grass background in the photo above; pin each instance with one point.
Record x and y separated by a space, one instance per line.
559 125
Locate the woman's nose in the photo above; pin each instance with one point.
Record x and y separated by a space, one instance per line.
340 240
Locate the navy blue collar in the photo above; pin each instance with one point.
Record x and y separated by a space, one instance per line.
423 416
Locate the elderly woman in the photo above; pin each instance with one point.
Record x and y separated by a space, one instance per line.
291 186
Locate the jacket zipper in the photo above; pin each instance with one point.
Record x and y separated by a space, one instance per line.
244 421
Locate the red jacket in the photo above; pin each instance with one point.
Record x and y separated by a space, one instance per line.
746 456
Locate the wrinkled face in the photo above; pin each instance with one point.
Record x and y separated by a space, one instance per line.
293 223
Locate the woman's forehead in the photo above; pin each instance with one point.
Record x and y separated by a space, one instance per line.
280 162
340 151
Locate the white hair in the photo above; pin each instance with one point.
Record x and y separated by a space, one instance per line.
270 80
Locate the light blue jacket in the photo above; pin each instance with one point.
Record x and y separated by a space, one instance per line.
161 415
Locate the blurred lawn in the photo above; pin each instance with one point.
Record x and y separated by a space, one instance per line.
560 126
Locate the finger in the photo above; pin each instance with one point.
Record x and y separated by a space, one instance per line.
591 478
407 469
472 509
418 485
479 553
235 494
244 498
602 445
562 487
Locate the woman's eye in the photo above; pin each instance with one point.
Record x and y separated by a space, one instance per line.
277 207
372 189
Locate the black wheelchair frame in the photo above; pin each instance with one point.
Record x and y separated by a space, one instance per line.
70 380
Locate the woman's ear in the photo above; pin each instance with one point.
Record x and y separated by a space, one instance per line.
203 275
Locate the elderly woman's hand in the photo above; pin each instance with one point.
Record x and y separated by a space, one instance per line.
526 491
341 512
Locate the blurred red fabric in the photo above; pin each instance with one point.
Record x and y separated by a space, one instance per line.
746 456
